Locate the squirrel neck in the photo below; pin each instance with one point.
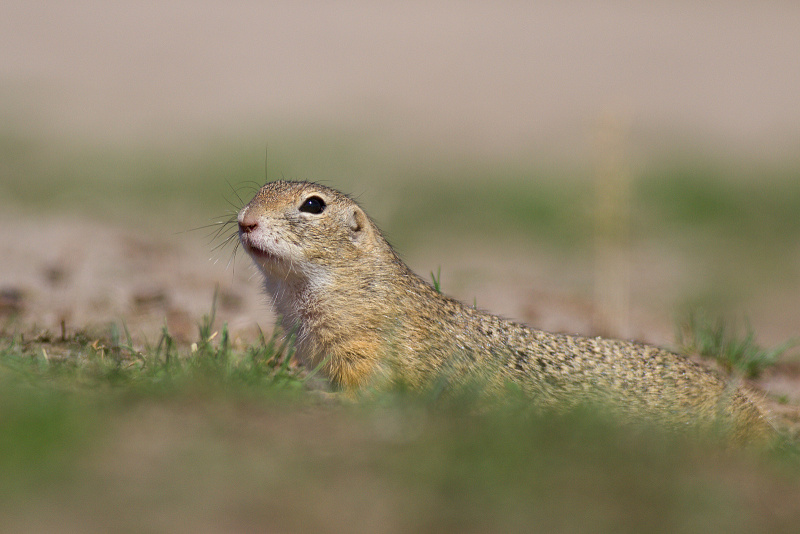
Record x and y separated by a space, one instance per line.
330 306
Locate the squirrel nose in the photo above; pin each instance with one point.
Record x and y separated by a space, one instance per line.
247 224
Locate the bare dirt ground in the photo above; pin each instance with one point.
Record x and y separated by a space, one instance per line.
478 79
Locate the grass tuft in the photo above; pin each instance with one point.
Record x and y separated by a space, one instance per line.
725 342
437 280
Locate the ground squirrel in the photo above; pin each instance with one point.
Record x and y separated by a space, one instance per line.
362 314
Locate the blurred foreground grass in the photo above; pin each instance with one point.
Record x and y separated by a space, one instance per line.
97 435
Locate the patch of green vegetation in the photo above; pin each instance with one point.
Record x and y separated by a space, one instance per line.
41 430
400 463
576 473
497 204
730 346
751 208
754 207
111 363
56 391
143 187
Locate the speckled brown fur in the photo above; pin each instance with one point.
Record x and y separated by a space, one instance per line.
335 279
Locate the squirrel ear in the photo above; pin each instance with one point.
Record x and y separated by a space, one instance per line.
357 223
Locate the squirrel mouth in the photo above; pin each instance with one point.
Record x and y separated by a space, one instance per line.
257 252
260 254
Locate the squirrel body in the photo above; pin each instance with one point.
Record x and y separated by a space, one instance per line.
359 312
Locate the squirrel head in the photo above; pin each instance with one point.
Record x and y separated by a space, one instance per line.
303 229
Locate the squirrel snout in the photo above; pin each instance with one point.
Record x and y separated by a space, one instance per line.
247 228
247 224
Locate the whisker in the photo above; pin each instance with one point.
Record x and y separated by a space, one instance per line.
233 257
225 242
215 224
218 230
250 186
235 191
223 227
204 226
227 218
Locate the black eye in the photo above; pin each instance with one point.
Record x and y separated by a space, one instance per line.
312 205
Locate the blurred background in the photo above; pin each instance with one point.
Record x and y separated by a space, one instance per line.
592 167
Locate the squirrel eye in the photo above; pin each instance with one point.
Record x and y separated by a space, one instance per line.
313 205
